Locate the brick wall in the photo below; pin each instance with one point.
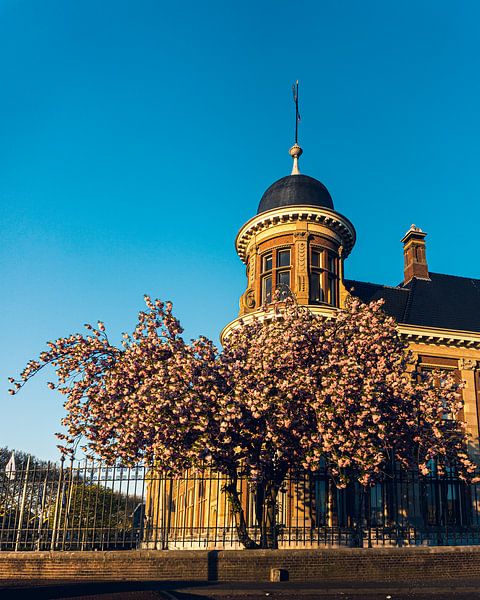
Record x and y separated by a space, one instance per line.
347 564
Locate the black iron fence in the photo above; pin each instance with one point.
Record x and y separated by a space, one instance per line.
91 506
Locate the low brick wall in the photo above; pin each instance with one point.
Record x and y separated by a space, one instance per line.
345 564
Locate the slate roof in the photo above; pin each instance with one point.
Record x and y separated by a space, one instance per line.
295 190
444 302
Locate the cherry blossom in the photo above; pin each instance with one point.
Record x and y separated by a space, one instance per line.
288 390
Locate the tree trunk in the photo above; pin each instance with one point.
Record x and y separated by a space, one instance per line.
271 516
260 513
360 515
266 509
238 513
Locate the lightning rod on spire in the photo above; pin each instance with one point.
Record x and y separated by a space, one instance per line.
297 114
295 151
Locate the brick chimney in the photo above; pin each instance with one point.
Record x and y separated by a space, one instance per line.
415 257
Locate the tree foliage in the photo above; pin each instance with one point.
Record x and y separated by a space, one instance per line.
92 506
21 459
288 390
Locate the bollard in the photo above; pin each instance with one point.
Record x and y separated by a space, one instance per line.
277 575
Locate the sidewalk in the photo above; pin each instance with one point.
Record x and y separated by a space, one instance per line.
457 590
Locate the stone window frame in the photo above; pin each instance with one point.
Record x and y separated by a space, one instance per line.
328 276
272 274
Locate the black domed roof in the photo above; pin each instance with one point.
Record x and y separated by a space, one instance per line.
295 189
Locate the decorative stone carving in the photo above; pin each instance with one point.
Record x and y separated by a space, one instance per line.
302 255
301 266
467 364
301 283
252 270
250 299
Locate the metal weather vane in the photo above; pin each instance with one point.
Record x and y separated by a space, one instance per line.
295 151
297 114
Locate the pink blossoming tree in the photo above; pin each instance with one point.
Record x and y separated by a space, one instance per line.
289 390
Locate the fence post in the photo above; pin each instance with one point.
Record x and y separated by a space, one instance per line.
57 506
41 516
22 505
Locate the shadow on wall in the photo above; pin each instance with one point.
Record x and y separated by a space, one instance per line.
212 565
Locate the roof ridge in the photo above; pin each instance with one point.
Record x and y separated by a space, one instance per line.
396 287
390 287
456 276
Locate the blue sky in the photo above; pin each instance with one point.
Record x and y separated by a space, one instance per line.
137 137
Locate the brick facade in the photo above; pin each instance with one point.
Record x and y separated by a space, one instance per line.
339 564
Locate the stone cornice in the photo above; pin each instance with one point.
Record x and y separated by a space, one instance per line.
314 214
439 337
323 310
410 333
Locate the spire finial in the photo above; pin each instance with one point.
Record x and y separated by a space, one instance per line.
295 151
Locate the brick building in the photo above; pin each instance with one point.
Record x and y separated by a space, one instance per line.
297 243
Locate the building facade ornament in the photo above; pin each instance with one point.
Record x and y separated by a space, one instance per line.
250 299
300 240
316 219
467 364
252 265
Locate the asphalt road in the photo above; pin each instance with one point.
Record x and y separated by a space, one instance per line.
461 590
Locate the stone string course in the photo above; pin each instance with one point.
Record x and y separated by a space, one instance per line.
346 564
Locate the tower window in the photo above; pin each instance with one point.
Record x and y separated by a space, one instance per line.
332 279
332 263
316 291
316 259
267 289
283 274
267 263
283 258
276 275
317 294
332 290
283 279
323 277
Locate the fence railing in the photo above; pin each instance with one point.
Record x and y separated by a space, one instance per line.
91 506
